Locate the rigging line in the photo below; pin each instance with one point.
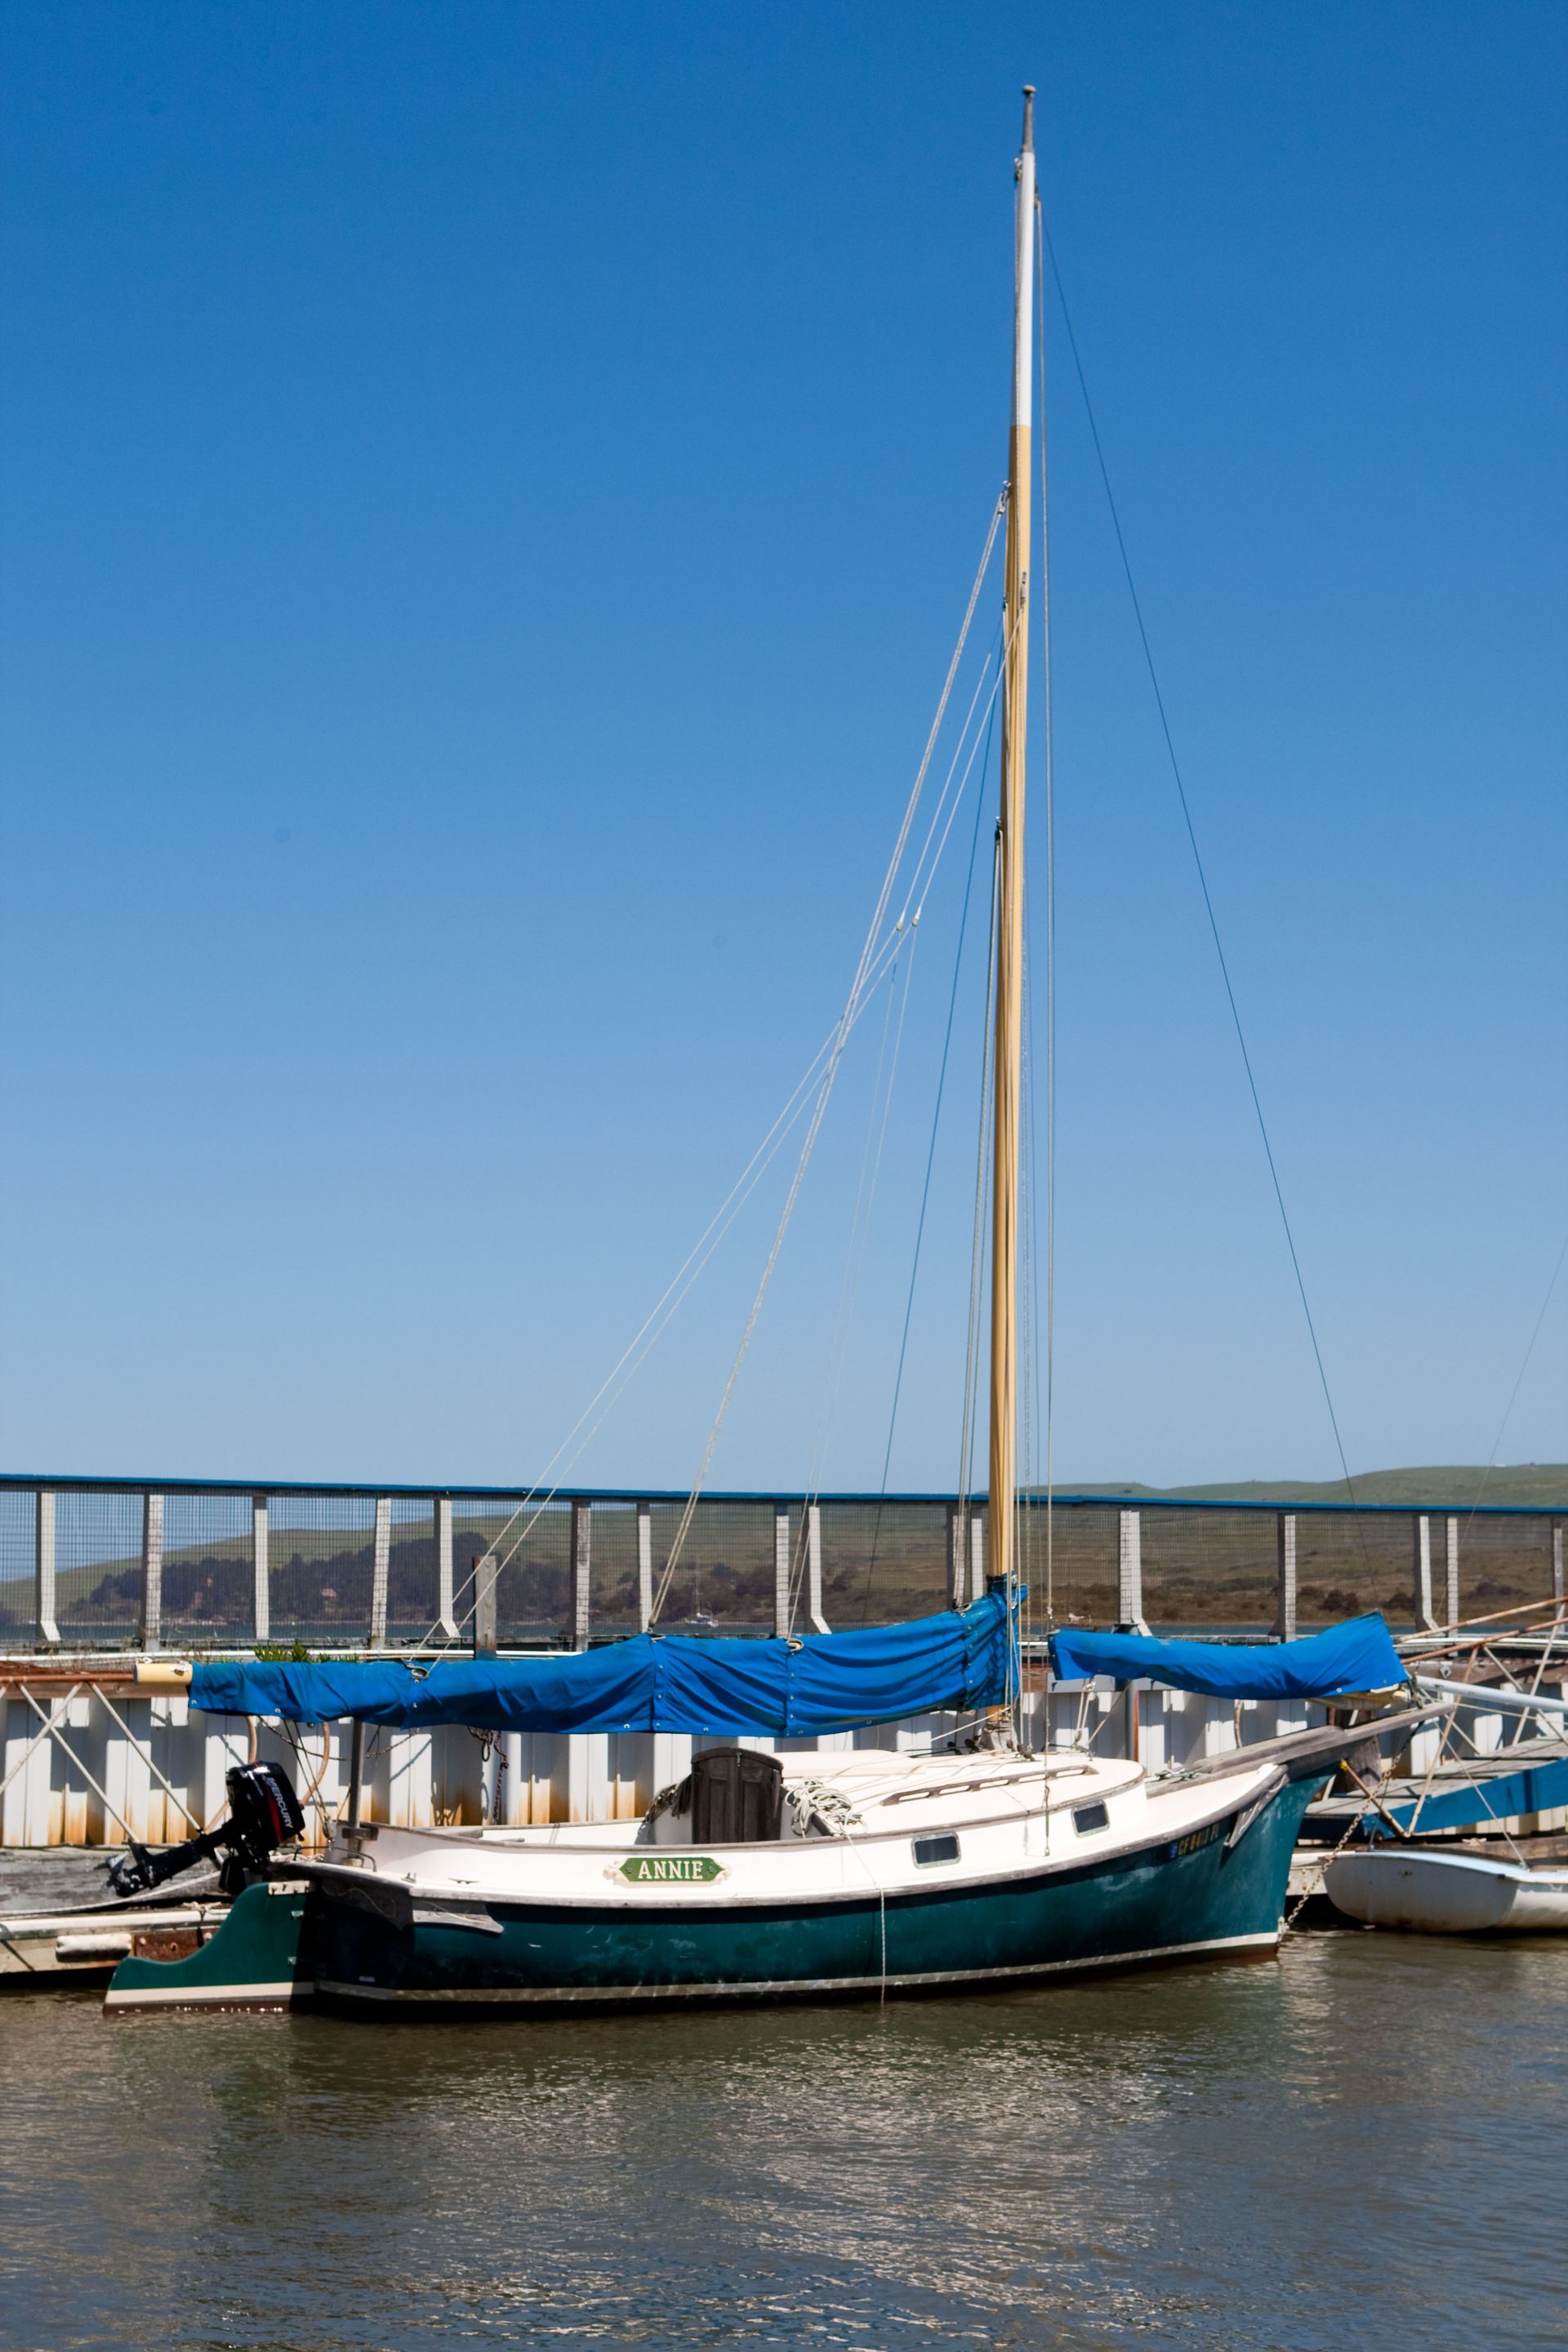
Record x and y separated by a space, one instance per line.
808 1146
853 1250
851 1007
775 1133
881 1139
1050 1040
860 1223
981 1171
901 843
936 1115
588 1424
869 953
657 1322
930 1160
1513 1396
819 1111
660 1314
969 720
963 781
1202 877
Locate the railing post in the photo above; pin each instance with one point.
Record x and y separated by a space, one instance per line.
1130 1569
260 1582
582 1560
781 1569
955 1565
1557 1593
645 1566
445 1606
1451 1546
976 1555
1285 1589
487 1570
380 1572
45 1629
150 1618
813 1568
1423 1579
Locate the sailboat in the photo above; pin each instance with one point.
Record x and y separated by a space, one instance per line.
764 1876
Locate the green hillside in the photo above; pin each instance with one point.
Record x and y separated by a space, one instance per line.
1535 1485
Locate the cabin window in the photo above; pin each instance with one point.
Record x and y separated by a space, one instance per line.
937 1848
1090 1816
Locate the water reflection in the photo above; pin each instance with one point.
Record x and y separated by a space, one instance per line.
1268 2156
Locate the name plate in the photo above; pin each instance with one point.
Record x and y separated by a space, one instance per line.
670 1870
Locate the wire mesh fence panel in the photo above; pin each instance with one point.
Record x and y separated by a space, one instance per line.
208 1583
1503 1562
615 1571
19 1522
413 1580
1072 1561
1210 1570
883 1561
724 1576
533 1542
97 1569
1348 1562
321 1560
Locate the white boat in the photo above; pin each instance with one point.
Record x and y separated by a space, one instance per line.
1440 1893
886 1872
764 1877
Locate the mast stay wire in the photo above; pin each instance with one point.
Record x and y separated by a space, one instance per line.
931 1153
914 909
846 1019
652 1329
875 955
875 958
1048 717
982 1182
1198 863
859 1232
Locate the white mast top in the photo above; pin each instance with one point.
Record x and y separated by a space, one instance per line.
1023 275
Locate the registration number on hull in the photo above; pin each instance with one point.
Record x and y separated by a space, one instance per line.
670 1870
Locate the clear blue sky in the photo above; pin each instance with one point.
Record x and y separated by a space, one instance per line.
488 493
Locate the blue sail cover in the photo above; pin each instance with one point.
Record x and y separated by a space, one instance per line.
1358 1655
1536 1789
782 1689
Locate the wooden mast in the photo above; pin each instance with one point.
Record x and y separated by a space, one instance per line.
1010 889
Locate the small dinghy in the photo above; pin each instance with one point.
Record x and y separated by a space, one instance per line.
1448 1892
1413 1873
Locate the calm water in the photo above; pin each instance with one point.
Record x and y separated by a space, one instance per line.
1363 2144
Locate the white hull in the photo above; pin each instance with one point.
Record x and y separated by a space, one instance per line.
1441 1894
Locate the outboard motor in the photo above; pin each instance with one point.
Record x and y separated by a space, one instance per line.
264 1813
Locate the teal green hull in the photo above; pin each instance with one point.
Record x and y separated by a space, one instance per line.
259 1958
1154 1904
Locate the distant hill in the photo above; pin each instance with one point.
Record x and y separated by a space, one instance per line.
1537 1485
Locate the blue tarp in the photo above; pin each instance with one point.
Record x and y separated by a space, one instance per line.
824 1682
1535 1791
1358 1655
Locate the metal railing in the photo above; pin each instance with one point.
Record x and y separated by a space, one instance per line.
114 1564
